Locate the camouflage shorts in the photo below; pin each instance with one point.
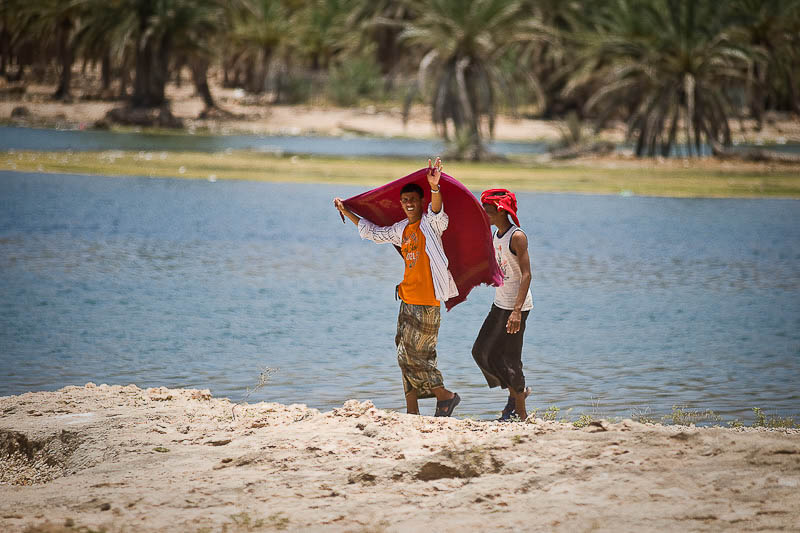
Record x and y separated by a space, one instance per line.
417 332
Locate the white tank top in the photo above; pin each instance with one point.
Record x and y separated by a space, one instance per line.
505 296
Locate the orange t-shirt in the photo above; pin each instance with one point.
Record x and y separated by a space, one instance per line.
417 285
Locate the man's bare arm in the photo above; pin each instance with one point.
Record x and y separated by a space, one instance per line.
519 245
346 212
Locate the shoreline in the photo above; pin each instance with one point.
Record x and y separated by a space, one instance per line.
617 174
611 175
377 119
121 458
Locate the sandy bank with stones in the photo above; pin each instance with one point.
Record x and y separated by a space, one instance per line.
128 459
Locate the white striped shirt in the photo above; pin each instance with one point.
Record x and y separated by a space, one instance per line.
432 226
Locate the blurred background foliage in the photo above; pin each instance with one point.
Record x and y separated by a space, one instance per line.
671 71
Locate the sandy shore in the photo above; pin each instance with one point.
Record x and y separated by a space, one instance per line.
259 117
128 459
252 117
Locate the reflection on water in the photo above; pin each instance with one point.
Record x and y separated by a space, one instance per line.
640 302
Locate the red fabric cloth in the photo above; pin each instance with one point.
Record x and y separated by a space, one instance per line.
467 240
503 199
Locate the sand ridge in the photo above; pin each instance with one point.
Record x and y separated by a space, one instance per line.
123 458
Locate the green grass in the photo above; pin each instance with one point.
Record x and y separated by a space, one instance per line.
681 415
632 178
772 421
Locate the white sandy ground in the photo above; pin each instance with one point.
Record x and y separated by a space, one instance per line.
127 459
261 118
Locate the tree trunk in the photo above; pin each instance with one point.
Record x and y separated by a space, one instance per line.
388 50
266 57
250 76
199 68
4 50
124 81
151 73
66 58
794 96
105 68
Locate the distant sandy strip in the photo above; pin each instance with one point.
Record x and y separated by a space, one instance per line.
128 459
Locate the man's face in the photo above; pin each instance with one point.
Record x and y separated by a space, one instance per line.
412 205
491 212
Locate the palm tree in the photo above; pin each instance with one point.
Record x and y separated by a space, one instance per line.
381 22
460 42
158 30
773 28
664 65
107 34
545 51
164 26
257 30
321 31
12 35
52 24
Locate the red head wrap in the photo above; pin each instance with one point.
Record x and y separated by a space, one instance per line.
503 199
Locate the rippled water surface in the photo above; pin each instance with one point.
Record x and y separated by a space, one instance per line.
641 303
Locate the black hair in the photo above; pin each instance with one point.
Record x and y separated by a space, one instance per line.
413 187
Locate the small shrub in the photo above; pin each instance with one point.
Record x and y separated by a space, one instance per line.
773 421
263 378
643 416
583 421
353 80
683 416
295 89
551 413
278 521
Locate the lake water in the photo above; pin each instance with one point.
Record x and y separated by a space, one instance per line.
53 140
641 303
19 138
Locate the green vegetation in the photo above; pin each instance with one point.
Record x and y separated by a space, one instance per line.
551 413
462 41
636 179
674 72
583 421
241 522
772 421
353 81
643 415
681 415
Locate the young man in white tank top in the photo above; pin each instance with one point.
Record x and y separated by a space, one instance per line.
498 348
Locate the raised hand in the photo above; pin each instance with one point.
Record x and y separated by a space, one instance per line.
434 173
344 212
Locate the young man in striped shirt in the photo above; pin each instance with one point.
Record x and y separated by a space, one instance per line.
426 282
